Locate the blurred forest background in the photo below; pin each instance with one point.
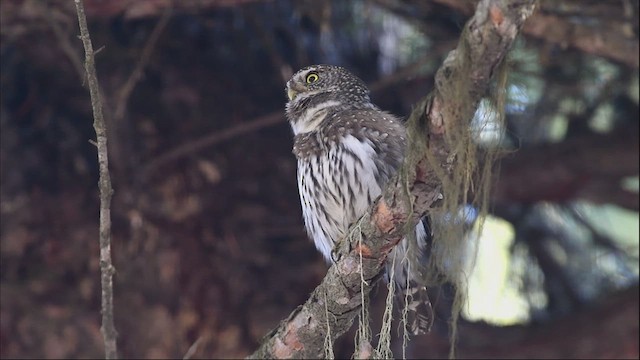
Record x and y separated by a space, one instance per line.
208 241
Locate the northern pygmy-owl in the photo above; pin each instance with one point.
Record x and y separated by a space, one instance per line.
347 149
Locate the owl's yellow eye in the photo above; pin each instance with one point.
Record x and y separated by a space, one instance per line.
311 78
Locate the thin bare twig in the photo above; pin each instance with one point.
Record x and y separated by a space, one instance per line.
106 268
192 349
409 71
268 42
125 91
66 46
213 138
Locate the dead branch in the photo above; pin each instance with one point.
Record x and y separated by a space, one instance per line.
487 38
602 41
66 47
212 139
124 93
106 268
588 167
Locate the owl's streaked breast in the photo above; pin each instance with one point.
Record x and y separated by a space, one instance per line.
336 186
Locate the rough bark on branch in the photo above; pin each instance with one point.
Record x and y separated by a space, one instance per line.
487 39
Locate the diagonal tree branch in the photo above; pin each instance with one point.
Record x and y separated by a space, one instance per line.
589 167
486 40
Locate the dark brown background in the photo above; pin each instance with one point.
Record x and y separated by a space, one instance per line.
208 241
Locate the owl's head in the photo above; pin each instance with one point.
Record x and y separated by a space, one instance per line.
317 88
326 80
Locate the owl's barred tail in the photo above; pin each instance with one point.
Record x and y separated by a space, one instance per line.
409 277
419 312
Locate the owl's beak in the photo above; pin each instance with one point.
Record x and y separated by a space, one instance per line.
291 94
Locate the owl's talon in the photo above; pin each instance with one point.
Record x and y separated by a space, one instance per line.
336 253
335 256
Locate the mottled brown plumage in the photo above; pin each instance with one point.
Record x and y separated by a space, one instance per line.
347 150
